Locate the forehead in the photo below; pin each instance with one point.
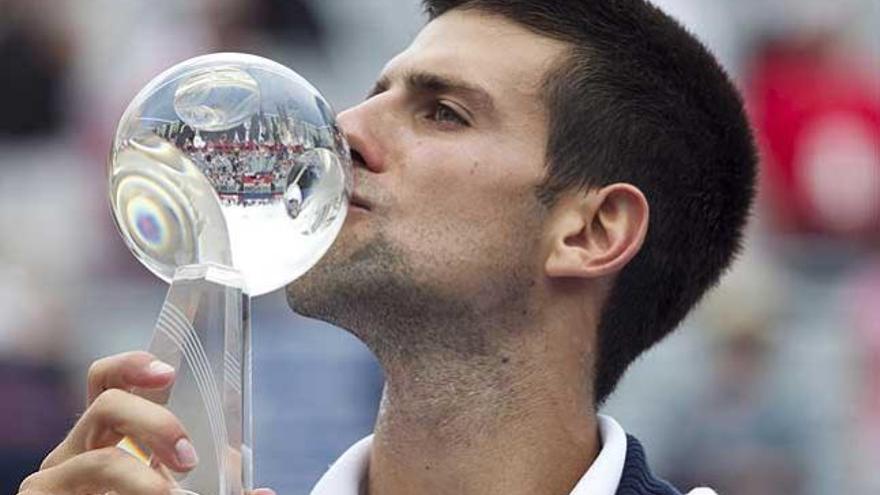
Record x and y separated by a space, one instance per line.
486 50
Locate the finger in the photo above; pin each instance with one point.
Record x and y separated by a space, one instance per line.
116 414
32 492
97 471
128 370
263 491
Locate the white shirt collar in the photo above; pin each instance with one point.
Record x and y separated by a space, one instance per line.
604 474
346 475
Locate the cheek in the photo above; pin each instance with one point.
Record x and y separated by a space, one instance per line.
454 209
473 181
469 236
463 203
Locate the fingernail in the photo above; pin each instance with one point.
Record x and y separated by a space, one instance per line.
186 454
263 491
160 368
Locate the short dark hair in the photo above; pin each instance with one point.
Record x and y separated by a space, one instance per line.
638 99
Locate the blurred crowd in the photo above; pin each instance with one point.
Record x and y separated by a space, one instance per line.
782 387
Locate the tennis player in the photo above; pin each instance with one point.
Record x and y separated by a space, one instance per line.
544 189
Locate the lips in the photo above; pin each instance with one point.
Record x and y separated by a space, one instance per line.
357 199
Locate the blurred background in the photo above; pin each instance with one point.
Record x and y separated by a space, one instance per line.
773 386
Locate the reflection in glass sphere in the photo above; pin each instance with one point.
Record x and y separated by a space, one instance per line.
230 159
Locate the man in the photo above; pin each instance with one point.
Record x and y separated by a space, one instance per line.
498 256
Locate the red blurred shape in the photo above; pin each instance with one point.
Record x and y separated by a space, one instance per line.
817 119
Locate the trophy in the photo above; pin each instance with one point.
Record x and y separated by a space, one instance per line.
228 179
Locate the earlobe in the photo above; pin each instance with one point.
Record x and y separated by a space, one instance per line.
598 232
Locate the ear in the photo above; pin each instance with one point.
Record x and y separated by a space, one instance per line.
596 233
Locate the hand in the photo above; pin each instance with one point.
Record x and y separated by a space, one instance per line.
88 461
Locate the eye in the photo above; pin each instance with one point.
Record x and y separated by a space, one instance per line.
378 88
445 114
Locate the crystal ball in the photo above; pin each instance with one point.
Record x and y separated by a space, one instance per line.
230 159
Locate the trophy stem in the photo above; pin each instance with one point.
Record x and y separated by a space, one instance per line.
203 331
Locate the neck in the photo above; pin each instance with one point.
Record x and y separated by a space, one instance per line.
512 421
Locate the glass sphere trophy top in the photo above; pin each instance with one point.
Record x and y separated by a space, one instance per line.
228 179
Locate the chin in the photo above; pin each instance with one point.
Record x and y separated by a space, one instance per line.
340 285
311 294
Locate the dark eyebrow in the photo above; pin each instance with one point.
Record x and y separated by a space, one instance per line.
428 82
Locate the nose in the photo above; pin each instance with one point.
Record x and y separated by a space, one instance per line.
360 126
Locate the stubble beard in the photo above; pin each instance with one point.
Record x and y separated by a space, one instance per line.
443 350
373 293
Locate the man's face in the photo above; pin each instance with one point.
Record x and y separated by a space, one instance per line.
452 141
